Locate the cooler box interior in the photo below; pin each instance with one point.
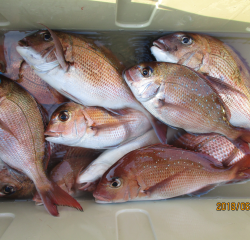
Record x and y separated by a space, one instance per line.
129 27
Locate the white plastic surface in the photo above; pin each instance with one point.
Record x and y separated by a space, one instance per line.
158 220
179 218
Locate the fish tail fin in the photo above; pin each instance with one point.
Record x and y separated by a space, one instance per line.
54 197
241 169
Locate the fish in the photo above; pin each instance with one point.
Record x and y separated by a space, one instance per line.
66 172
10 59
14 184
39 89
100 165
182 98
162 172
22 143
83 70
212 57
213 145
73 124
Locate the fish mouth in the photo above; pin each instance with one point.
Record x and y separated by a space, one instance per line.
160 45
100 199
23 43
52 134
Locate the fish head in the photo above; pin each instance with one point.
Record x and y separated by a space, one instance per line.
144 80
118 184
38 49
67 124
14 184
173 47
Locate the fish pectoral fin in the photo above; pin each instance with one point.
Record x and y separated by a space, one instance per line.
99 129
162 184
203 190
59 50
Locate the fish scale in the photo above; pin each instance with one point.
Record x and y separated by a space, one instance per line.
39 89
160 172
22 143
211 56
96 127
92 76
214 145
183 98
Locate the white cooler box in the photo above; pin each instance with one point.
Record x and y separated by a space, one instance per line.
128 28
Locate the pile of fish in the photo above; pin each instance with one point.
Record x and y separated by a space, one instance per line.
72 119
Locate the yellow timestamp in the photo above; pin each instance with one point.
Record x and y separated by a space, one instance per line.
233 206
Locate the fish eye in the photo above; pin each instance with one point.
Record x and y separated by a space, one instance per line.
116 183
8 189
186 40
63 116
146 72
47 37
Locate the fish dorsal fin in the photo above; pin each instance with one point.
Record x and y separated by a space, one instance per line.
59 50
203 190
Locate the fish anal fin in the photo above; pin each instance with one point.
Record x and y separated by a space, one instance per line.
59 50
203 190
57 197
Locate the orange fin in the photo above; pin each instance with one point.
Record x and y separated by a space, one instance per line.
59 50
161 130
57 197
242 169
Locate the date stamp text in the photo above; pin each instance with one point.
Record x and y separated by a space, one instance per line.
232 206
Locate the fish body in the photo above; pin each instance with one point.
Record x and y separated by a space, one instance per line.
38 88
214 145
66 172
10 59
14 184
213 57
93 127
82 70
181 97
93 77
161 172
98 167
22 143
